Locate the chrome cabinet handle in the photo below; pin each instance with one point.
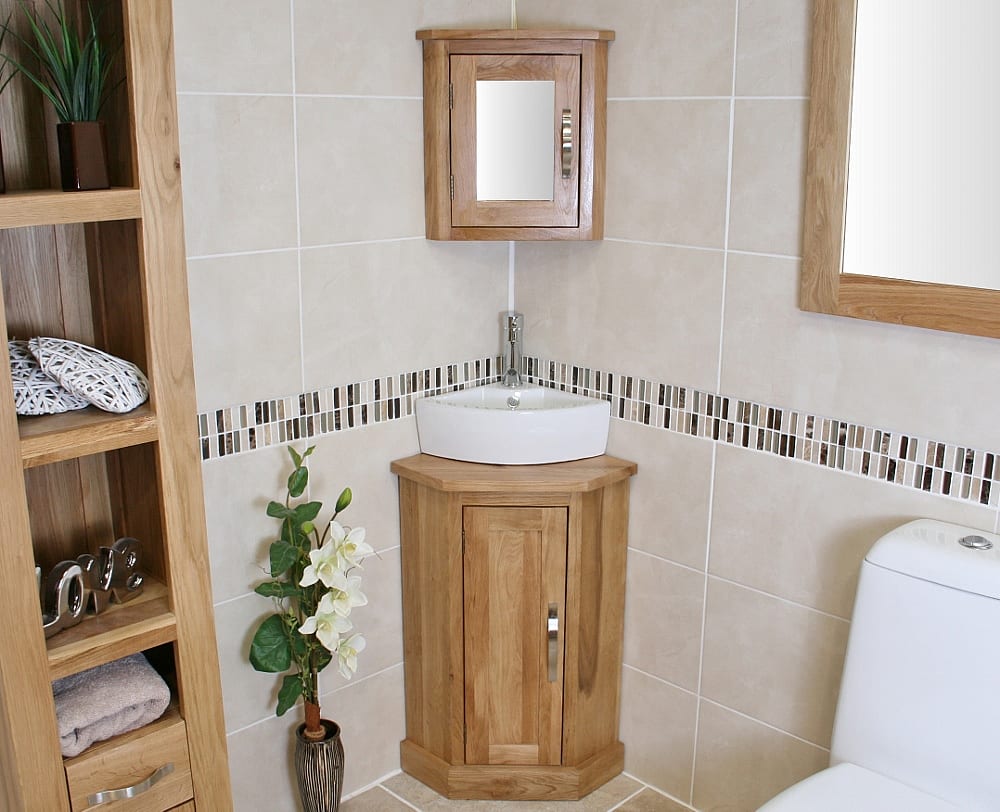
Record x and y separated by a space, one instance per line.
567 142
552 629
109 795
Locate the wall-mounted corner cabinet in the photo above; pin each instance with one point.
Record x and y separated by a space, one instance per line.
513 606
514 134
106 268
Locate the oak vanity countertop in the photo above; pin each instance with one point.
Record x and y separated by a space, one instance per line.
474 477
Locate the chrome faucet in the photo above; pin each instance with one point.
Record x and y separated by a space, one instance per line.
510 349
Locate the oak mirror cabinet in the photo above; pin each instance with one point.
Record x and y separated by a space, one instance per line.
514 134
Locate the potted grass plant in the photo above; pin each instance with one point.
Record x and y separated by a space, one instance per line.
314 588
73 72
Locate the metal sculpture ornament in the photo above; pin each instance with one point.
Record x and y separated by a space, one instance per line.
87 585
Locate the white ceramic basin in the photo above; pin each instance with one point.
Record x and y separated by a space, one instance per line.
524 426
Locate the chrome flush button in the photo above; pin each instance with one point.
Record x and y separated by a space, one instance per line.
975 542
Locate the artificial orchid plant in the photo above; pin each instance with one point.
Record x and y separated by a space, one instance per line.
314 590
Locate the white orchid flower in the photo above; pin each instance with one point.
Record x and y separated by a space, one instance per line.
347 655
327 624
346 592
351 546
323 565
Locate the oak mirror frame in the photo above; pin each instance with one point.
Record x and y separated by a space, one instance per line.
824 287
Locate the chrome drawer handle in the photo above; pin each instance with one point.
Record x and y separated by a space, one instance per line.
567 143
552 630
109 795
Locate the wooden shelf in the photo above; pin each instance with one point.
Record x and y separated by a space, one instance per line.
54 207
51 438
123 629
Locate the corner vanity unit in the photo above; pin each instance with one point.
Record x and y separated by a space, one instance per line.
513 607
514 134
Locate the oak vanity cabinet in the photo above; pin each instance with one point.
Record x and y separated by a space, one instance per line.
106 268
514 134
513 604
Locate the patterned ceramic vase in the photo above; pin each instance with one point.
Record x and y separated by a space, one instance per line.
319 767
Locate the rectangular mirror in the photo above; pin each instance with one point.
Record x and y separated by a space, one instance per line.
901 175
515 147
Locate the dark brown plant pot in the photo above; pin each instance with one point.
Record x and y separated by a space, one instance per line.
83 155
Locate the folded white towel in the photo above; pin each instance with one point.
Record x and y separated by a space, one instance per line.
107 700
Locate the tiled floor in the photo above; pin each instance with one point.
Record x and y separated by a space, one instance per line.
401 793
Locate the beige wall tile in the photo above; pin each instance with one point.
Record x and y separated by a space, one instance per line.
769 152
237 305
237 490
215 55
801 531
359 459
928 383
370 713
669 497
773 660
260 764
772 47
742 763
248 696
666 171
623 306
661 47
360 167
657 728
239 179
390 307
663 611
371 48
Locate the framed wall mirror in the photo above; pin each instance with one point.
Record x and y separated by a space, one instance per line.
902 168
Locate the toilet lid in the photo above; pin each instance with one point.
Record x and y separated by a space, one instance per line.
853 788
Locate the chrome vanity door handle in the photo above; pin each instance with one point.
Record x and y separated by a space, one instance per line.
553 636
567 142
109 795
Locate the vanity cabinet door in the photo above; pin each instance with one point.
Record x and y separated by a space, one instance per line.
515 132
514 569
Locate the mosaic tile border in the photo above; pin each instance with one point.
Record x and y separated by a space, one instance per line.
263 423
943 469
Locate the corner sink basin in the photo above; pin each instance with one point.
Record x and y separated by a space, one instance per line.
529 425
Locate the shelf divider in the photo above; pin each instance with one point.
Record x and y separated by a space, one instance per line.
51 438
43 207
122 629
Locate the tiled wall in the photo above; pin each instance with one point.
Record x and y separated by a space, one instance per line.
317 304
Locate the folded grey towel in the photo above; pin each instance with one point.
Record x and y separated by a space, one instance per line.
107 700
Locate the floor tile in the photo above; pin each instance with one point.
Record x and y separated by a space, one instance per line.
374 800
651 801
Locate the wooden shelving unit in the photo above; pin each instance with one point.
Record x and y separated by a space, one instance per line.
106 268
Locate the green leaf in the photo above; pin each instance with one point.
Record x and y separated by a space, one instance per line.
296 457
297 482
289 693
276 510
343 500
277 589
283 557
306 512
269 649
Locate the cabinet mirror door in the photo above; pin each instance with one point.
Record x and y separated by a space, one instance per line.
515 139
